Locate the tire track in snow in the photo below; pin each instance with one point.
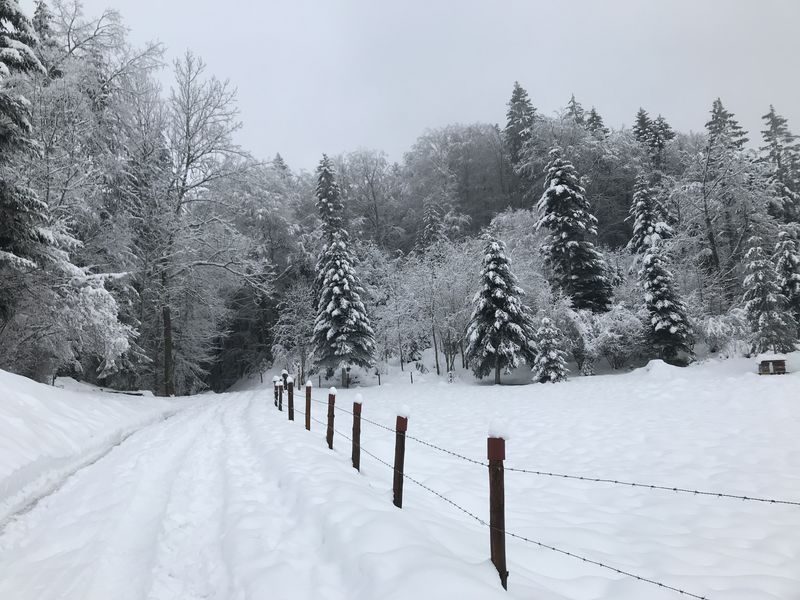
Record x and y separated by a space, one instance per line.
93 539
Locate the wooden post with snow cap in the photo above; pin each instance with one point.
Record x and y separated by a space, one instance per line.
399 456
308 405
280 395
497 504
331 414
275 381
290 396
285 377
357 432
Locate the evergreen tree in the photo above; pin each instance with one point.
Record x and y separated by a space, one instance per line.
660 134
575 110
42 21
500 330
433 228
343 334
669 332
550 365
787 265
329 199
772 326
781 153
26 242
642 126
649 218
280 164
595 125
723 130
519 122
578 269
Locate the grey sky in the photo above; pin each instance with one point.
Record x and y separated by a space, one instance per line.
334 75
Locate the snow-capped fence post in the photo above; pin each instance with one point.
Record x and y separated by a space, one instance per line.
399 459
331 405
275 388
357 433
308 405
412 376
497 506
290 397
280 395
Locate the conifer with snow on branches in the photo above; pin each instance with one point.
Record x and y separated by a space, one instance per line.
772 326
550 365
500 331
669 333
787 265
343 334
578 269
649 218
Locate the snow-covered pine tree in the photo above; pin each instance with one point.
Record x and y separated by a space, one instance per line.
669 333
343 334
781 152
550 365
578 269
642 126
575 110
723 130
771 324
595 125
660 135
649 218
519 122
433 227
42 21
500 330
26 242
329 199
787 265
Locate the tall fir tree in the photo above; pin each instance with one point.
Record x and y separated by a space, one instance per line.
433 228
550 365
343 335
787 265
669 332
771 324
578 268
660 135
575 110
780 151
641 126
500 330
649 217
519 123
595 125
26 240
723 130
42 21
331 213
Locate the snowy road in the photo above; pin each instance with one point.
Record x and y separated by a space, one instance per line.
192 507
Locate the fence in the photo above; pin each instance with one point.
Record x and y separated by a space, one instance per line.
496 469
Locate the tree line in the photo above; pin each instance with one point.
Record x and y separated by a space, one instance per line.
141 247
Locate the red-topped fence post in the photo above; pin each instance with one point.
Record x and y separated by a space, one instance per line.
399 459
497 507
331 404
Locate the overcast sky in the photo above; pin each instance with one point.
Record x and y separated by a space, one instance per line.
334 75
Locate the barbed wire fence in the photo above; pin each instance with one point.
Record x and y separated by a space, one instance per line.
539 473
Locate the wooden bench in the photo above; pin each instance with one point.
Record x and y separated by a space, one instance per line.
772 367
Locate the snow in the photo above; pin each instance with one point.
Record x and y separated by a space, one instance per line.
228 499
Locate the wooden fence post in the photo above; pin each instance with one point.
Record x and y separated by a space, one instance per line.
412 376
357 433
331 404
285 377
275 388
280 395
497 507
290 397
399 459
308 405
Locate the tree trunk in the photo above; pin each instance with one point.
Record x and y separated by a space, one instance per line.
497 370
169 364
400 345
436 350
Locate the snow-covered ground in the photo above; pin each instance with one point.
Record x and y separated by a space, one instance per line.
229 500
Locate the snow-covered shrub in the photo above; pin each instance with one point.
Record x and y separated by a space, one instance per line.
621 335
550 365
726 335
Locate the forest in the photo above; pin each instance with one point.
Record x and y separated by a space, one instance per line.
142 248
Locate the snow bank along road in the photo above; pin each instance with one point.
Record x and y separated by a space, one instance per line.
228 500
